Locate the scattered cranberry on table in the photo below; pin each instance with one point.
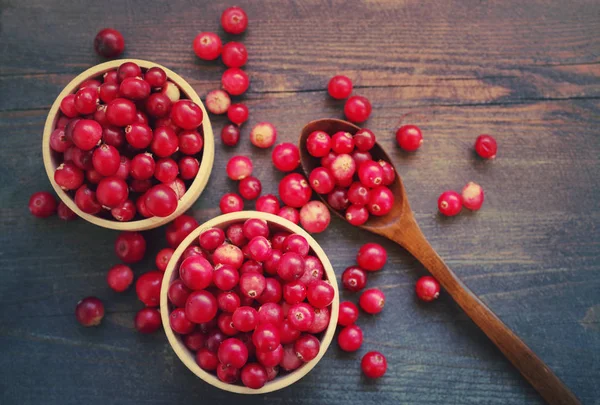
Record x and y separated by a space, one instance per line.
409 137
120 277
472 196
450 203
372 301
218 102
234 20
427 288
263 135
357 109
42 204
207 45
373 364
109 43
486 146
339 87
147 320
89 311
371 256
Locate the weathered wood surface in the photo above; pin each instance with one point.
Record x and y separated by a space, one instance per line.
526 73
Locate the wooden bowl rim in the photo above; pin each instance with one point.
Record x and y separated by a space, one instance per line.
191 194
183 352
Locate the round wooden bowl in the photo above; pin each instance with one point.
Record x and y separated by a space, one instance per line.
172 273
191 194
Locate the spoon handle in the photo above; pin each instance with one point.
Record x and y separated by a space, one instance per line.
539 375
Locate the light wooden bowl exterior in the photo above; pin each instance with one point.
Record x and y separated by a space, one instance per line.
191 194
188 357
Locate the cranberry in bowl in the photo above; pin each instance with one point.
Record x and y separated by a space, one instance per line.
251 314
128 145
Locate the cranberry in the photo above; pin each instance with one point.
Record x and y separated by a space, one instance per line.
371 256
315 217
342 169
112 192
142 166
62 122
121 112
301 316
193 250
178 293
225 324
409 137
288 333
228 301
339 87
266 337
86 100
239 167
251 266
272 292
194 341
320 294
42 204
218 102
166 170
450 203
201 306
381 201
291 266
180 323
290 360
294 190
134 88
231 202
234 54
364 140
278 239
238 113
234 20
108 92
120 277
255 227
171 90
272 263
294 292
138 135
58 141
358 194
427 288
113 136
252 284
93 177
211 239
106 160
254 376
357 109
196 272
321 322
89 311
370 174
214 338
128 69
268 203
313 270
235 81
100 115
250 188
289 213
472 196
321 180
228 254
161 200
318 144
230 135
373 364
350 338
263 135
229 375
147 288
86 201
372 301
342 142
338 199
259 248
140 205
357 215
67 106
206 359
163 257
165 142
354 278
286 157
68 176
485 146
65 213
307 347
360 157
155 76
147 320
245 319
272 372
81 158
207 46
270 312
188 168
158 105
348 313
389 173
270 358
130 247
179 229
86 134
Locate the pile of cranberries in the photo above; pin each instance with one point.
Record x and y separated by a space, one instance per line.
351 180
250 302
128 143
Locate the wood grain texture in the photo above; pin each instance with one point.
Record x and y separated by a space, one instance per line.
526 73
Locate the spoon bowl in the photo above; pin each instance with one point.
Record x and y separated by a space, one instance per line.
400 226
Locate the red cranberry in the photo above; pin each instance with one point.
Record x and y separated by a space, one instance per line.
158 105
339 87
201 306
161 200
294 190
211 239
108 92
228 254
147 288
228 301
196 272
234 54
266 337
268 203
163 257
245 319
259 248
270 358
290 360
120 277
112 192
100 115
472 196
287 332
165 142
250 188
58 141
235 81
178 293
238 113
68 176
225 324
62 122
235 234
179 229
255 227
147 320
315 217
389 173
113 136
134 88
166 170
231 202
318 144
361 157
381 201
93 177
89 311
301 316
272 263
86 100
194 341
140 206
186 114
65 213
286 157
350 338
130 247
217 102
234 20
252 284
155 76
320 294
239 167
342 169
190 142
272 372
348 313
207 46
278 239
272 292
485 146
321 180
128 69
373 364
86 134
321 322
67 106
106 160
180 323
450 203
289 213
357 109
230 135
142 166
86 201
358 194
427 288
371 256
409 137
313 270
338 199
364 140
307 347
193 250
263 135
254 376
188 168
226 278
121 112
291 266
354 278
270 312
294 292
229 375
138 135
356 214
372 301
206 359
214 338
370 174
42 204
342 142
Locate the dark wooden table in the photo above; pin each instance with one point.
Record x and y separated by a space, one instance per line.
526 72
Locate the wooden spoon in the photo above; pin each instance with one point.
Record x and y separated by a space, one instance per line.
400 226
